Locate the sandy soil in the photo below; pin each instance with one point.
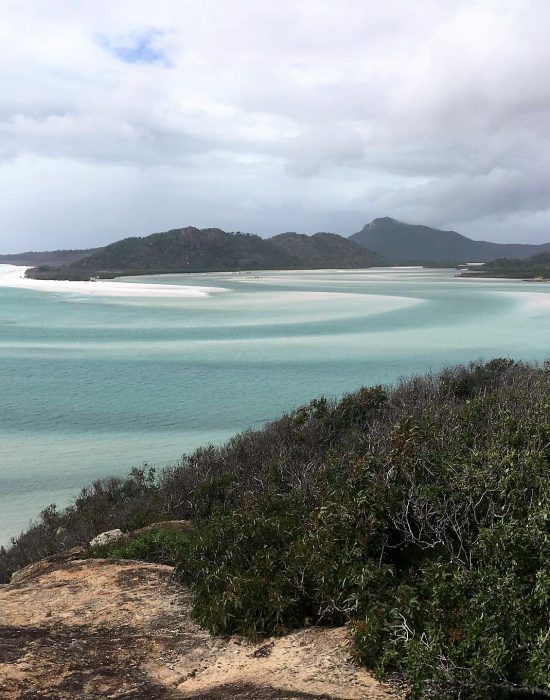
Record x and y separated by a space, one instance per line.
121 629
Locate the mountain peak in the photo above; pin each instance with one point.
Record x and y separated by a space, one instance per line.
384 220
415 244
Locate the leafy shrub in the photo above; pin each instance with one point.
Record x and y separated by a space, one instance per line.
466 382
157 546
126 503
419 515
241 560
429 535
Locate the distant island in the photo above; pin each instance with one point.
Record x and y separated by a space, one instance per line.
408 244
212 250
384 241
536 267
54 258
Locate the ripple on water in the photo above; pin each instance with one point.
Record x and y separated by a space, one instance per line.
94 385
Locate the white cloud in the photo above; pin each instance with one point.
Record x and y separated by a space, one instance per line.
127 117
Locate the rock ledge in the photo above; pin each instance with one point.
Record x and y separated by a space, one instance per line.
100 628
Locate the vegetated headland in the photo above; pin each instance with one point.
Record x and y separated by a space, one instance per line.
212 250
417 515
384 241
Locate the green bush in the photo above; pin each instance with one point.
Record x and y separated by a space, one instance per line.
157 546
240 561
419 515
428 531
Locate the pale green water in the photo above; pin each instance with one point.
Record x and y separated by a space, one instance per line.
92 386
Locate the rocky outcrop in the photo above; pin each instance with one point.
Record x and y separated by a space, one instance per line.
96 628
107 537
48 564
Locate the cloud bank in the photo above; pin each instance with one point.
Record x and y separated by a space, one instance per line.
131 117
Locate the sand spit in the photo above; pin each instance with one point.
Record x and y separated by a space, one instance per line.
14 276
86 629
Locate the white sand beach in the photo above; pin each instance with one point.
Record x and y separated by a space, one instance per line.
14 276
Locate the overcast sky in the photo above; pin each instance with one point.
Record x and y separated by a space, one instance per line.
129 117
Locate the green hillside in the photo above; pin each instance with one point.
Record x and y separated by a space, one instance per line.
211 250
325 250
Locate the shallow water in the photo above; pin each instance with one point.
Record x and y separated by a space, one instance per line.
94 385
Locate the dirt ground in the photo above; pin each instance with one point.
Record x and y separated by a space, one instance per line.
72 628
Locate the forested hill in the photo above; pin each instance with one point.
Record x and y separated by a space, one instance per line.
383 241
209 250
409 244
326 250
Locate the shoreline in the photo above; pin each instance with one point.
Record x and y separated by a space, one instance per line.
13 277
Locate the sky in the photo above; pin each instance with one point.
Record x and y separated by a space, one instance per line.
129 117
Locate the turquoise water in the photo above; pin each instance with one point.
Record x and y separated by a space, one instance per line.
92 386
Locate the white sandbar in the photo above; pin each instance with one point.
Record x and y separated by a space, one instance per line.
14 276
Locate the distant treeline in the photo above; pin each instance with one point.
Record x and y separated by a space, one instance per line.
535 267
49 257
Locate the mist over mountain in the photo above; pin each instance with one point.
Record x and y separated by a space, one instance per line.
402 243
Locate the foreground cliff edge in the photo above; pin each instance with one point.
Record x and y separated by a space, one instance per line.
100 628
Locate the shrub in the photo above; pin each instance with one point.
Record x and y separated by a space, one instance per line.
419 515
429 534
238 567
157 546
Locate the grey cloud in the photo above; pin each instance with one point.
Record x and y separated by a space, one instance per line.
276 115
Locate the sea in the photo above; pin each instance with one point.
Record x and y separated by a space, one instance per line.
93 385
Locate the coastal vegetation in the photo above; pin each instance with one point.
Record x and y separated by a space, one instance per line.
212 250
418 515
160 546
534 267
